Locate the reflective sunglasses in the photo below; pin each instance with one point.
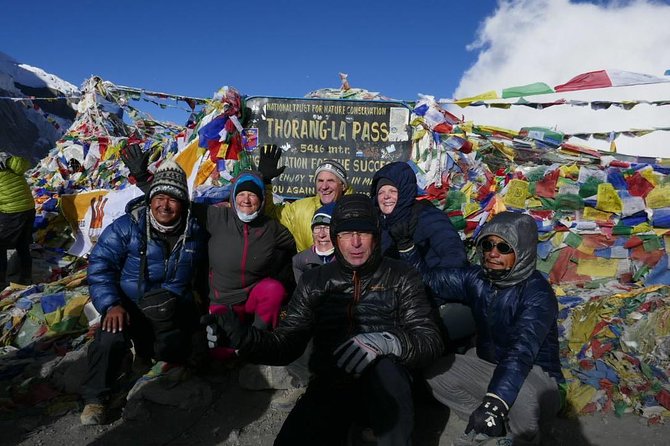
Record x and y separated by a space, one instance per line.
502 247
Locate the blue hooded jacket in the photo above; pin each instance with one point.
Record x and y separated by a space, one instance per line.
114 262
435 238
515 314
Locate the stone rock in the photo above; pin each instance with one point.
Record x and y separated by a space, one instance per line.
262 377
69 372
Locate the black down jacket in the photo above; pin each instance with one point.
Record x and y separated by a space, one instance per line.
335 302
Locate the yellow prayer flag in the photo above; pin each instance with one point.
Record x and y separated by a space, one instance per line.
585 249
608 200
188 157
593 214
517 192
641 228
471 208
569 171
649 175
206 168
659 197
599 267
480 97
557 239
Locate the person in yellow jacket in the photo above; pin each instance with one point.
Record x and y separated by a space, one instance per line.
17 215
331 184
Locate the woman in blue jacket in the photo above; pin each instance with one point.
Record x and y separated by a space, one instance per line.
394 192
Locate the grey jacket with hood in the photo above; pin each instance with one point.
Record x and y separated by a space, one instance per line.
515 314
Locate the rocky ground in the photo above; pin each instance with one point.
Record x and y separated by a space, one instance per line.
213 409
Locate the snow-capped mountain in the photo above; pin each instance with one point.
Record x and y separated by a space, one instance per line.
28 127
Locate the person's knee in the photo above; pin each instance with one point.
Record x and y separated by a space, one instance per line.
271 290
107 340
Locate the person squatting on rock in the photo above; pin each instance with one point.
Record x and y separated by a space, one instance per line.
140 280
331 183
249 253
17 216
430 232
512 381
370 322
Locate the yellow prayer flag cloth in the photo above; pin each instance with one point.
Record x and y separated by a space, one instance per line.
608 200
480 97
517 193
593 214
659 197
598 267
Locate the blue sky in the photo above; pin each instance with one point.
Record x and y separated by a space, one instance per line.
442 48
270 48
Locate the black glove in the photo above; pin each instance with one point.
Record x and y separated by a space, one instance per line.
267 163
224 330
489 418
136 161
402 232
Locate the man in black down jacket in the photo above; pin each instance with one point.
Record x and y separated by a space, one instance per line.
371 323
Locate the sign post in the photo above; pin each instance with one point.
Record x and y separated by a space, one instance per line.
361 135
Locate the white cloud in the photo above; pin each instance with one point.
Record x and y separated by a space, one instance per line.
551 41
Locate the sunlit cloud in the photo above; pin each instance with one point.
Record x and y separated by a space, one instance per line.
551 41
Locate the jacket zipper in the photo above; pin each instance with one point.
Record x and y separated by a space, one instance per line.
243 264
357 296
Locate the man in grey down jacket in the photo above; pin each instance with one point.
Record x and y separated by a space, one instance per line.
371 323
513 378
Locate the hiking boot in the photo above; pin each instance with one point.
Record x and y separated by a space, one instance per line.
285 400
474 439
93 414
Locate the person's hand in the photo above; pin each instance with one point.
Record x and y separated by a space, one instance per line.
224 330
4 157
267 163
402 233
489 418
356 354
135 160
115 319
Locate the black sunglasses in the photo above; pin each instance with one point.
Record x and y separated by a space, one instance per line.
502 247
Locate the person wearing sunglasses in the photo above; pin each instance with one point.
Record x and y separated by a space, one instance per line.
512 380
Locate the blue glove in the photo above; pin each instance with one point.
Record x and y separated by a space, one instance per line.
356 354
489 418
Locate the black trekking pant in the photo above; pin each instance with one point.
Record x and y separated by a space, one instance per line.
107 351
16 231
381 398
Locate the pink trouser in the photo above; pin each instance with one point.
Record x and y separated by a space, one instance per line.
264 303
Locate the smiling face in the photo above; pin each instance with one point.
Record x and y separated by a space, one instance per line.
165 209
387 198
493 258
328 187
321 237
356 247
247 202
